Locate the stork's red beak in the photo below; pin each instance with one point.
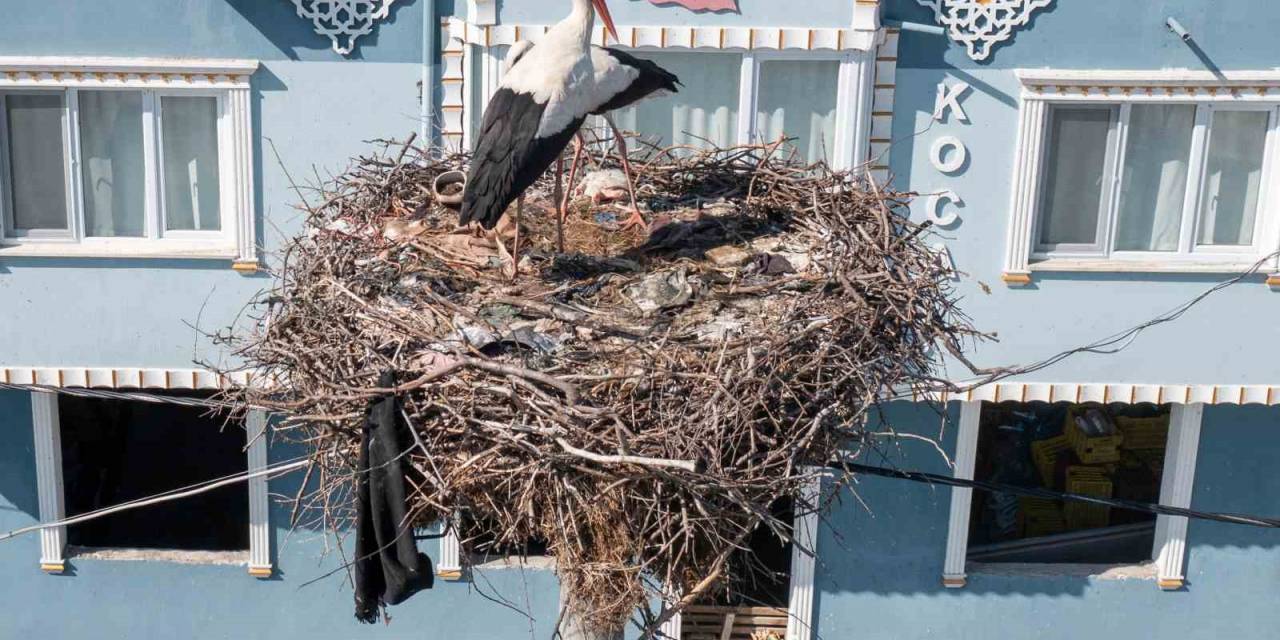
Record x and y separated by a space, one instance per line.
607 18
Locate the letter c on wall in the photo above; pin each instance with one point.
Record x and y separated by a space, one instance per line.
958 157
937 202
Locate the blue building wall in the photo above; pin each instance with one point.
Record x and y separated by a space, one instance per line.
880 566
1216 343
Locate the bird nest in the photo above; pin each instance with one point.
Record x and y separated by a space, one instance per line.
638 401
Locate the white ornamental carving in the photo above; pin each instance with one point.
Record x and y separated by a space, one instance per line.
343 21
982 24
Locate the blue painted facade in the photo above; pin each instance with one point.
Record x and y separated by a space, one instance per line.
879 566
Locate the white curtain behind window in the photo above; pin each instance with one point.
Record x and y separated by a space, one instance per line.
190 133
798 100
112 164
705 110
1154 184
1233 173
1073 175
37 163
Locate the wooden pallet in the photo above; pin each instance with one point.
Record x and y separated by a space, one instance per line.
731 623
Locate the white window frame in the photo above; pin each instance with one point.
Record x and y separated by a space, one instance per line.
855 92
228 81
50 490
1169 547
1043 90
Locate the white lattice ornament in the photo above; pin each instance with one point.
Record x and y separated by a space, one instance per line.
344 21
982 24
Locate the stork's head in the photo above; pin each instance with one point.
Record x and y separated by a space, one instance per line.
603 10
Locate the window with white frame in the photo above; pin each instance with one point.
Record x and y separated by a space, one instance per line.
1144 172
120 158
817 98
93 454
1144 453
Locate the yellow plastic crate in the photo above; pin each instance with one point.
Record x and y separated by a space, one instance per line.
1087 481
1040 517
1144 433
1045 454
1092 450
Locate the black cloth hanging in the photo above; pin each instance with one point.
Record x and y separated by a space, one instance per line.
388 567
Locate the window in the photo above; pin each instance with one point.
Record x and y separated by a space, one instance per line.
1134 177
116 451
126 161
728 97
97 453
1140 452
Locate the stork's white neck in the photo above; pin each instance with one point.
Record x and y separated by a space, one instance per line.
580 22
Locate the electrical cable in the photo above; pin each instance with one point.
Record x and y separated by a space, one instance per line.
1000 487
168 496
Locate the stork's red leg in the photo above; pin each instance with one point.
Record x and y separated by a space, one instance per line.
635 220
573 176
559 196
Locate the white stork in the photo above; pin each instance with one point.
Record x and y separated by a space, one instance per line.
542 101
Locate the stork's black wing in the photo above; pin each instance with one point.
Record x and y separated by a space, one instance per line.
509 156
651 80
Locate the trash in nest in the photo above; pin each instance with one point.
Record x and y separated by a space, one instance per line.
660 291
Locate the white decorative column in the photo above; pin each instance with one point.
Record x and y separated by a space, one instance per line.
259 502
953 572
804 551
449 564
48 445
1170 547
857 92
1023 186
670 630
240 112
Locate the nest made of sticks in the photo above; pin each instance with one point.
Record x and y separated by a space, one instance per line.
639 403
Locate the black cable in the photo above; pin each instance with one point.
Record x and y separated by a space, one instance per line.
1000 487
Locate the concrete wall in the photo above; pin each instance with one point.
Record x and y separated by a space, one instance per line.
880 568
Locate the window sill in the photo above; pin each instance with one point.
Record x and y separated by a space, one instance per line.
1081 265
1146 571
144 249
171 556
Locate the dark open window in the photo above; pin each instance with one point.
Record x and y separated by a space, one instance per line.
1109 451
115 451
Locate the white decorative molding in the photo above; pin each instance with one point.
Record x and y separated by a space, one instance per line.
670 630
660 37
482 12
239 170
953 570
1141 85
449 564
804 551
866 15
260 565
123 378
343 21
86 72
1170 546
982 24
854 120
1105 393
48 446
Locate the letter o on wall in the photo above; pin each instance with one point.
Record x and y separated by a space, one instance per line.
937 153
937 202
